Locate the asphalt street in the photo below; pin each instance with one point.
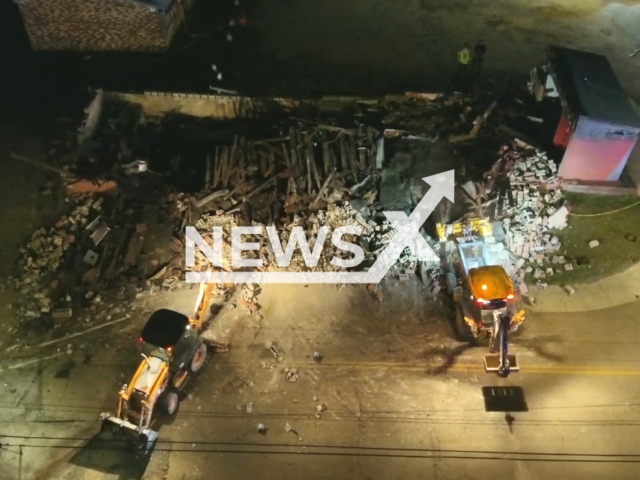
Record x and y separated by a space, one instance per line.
399 398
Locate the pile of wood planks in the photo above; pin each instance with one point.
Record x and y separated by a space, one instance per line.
308 157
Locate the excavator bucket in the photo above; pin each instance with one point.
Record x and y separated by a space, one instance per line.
492 363
143 438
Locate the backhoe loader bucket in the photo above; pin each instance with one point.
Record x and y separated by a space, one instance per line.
492 363
144 438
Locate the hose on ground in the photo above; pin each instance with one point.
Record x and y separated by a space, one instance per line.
603 213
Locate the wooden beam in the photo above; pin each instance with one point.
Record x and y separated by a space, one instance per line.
308 172
274 140
314 167
271 181
343 154
242 154
212 168
292 144
351 152
287 161
222 166
324 186
208 175
326 157
327 127
272 164
46 166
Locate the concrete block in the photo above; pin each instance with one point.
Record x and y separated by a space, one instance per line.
559 218
523 289
60 313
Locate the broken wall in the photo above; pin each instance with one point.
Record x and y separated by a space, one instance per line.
158 104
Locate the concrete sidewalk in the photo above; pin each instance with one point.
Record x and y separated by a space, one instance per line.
608 292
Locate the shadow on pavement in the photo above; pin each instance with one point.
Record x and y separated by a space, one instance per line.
539 345
110 454
447 356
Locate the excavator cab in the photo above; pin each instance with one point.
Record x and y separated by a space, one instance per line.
490 290
171 336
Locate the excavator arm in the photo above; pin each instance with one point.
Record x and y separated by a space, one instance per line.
202 304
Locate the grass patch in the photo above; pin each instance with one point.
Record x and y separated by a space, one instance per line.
618 234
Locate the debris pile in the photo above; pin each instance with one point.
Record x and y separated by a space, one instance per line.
311 161
45 253
291 374
301 192
537 209
526 207
521 199
95 246
375 233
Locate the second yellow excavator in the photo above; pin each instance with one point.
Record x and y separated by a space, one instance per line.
172 350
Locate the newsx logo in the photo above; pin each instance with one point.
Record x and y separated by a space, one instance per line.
283 256
407 235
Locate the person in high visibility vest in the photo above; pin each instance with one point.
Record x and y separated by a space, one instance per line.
464 59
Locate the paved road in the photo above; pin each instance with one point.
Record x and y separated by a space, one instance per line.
392 410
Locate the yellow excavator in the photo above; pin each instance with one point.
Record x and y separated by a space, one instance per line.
485 300
172 349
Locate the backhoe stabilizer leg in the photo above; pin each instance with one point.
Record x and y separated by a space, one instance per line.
505 322
501 363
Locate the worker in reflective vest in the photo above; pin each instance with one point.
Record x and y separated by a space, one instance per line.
464 59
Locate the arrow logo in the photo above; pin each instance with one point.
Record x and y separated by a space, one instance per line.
407 235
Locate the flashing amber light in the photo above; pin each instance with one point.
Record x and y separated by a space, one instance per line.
510 296
169 349
484 287
480 300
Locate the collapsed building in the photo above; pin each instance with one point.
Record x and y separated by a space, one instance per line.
146 166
